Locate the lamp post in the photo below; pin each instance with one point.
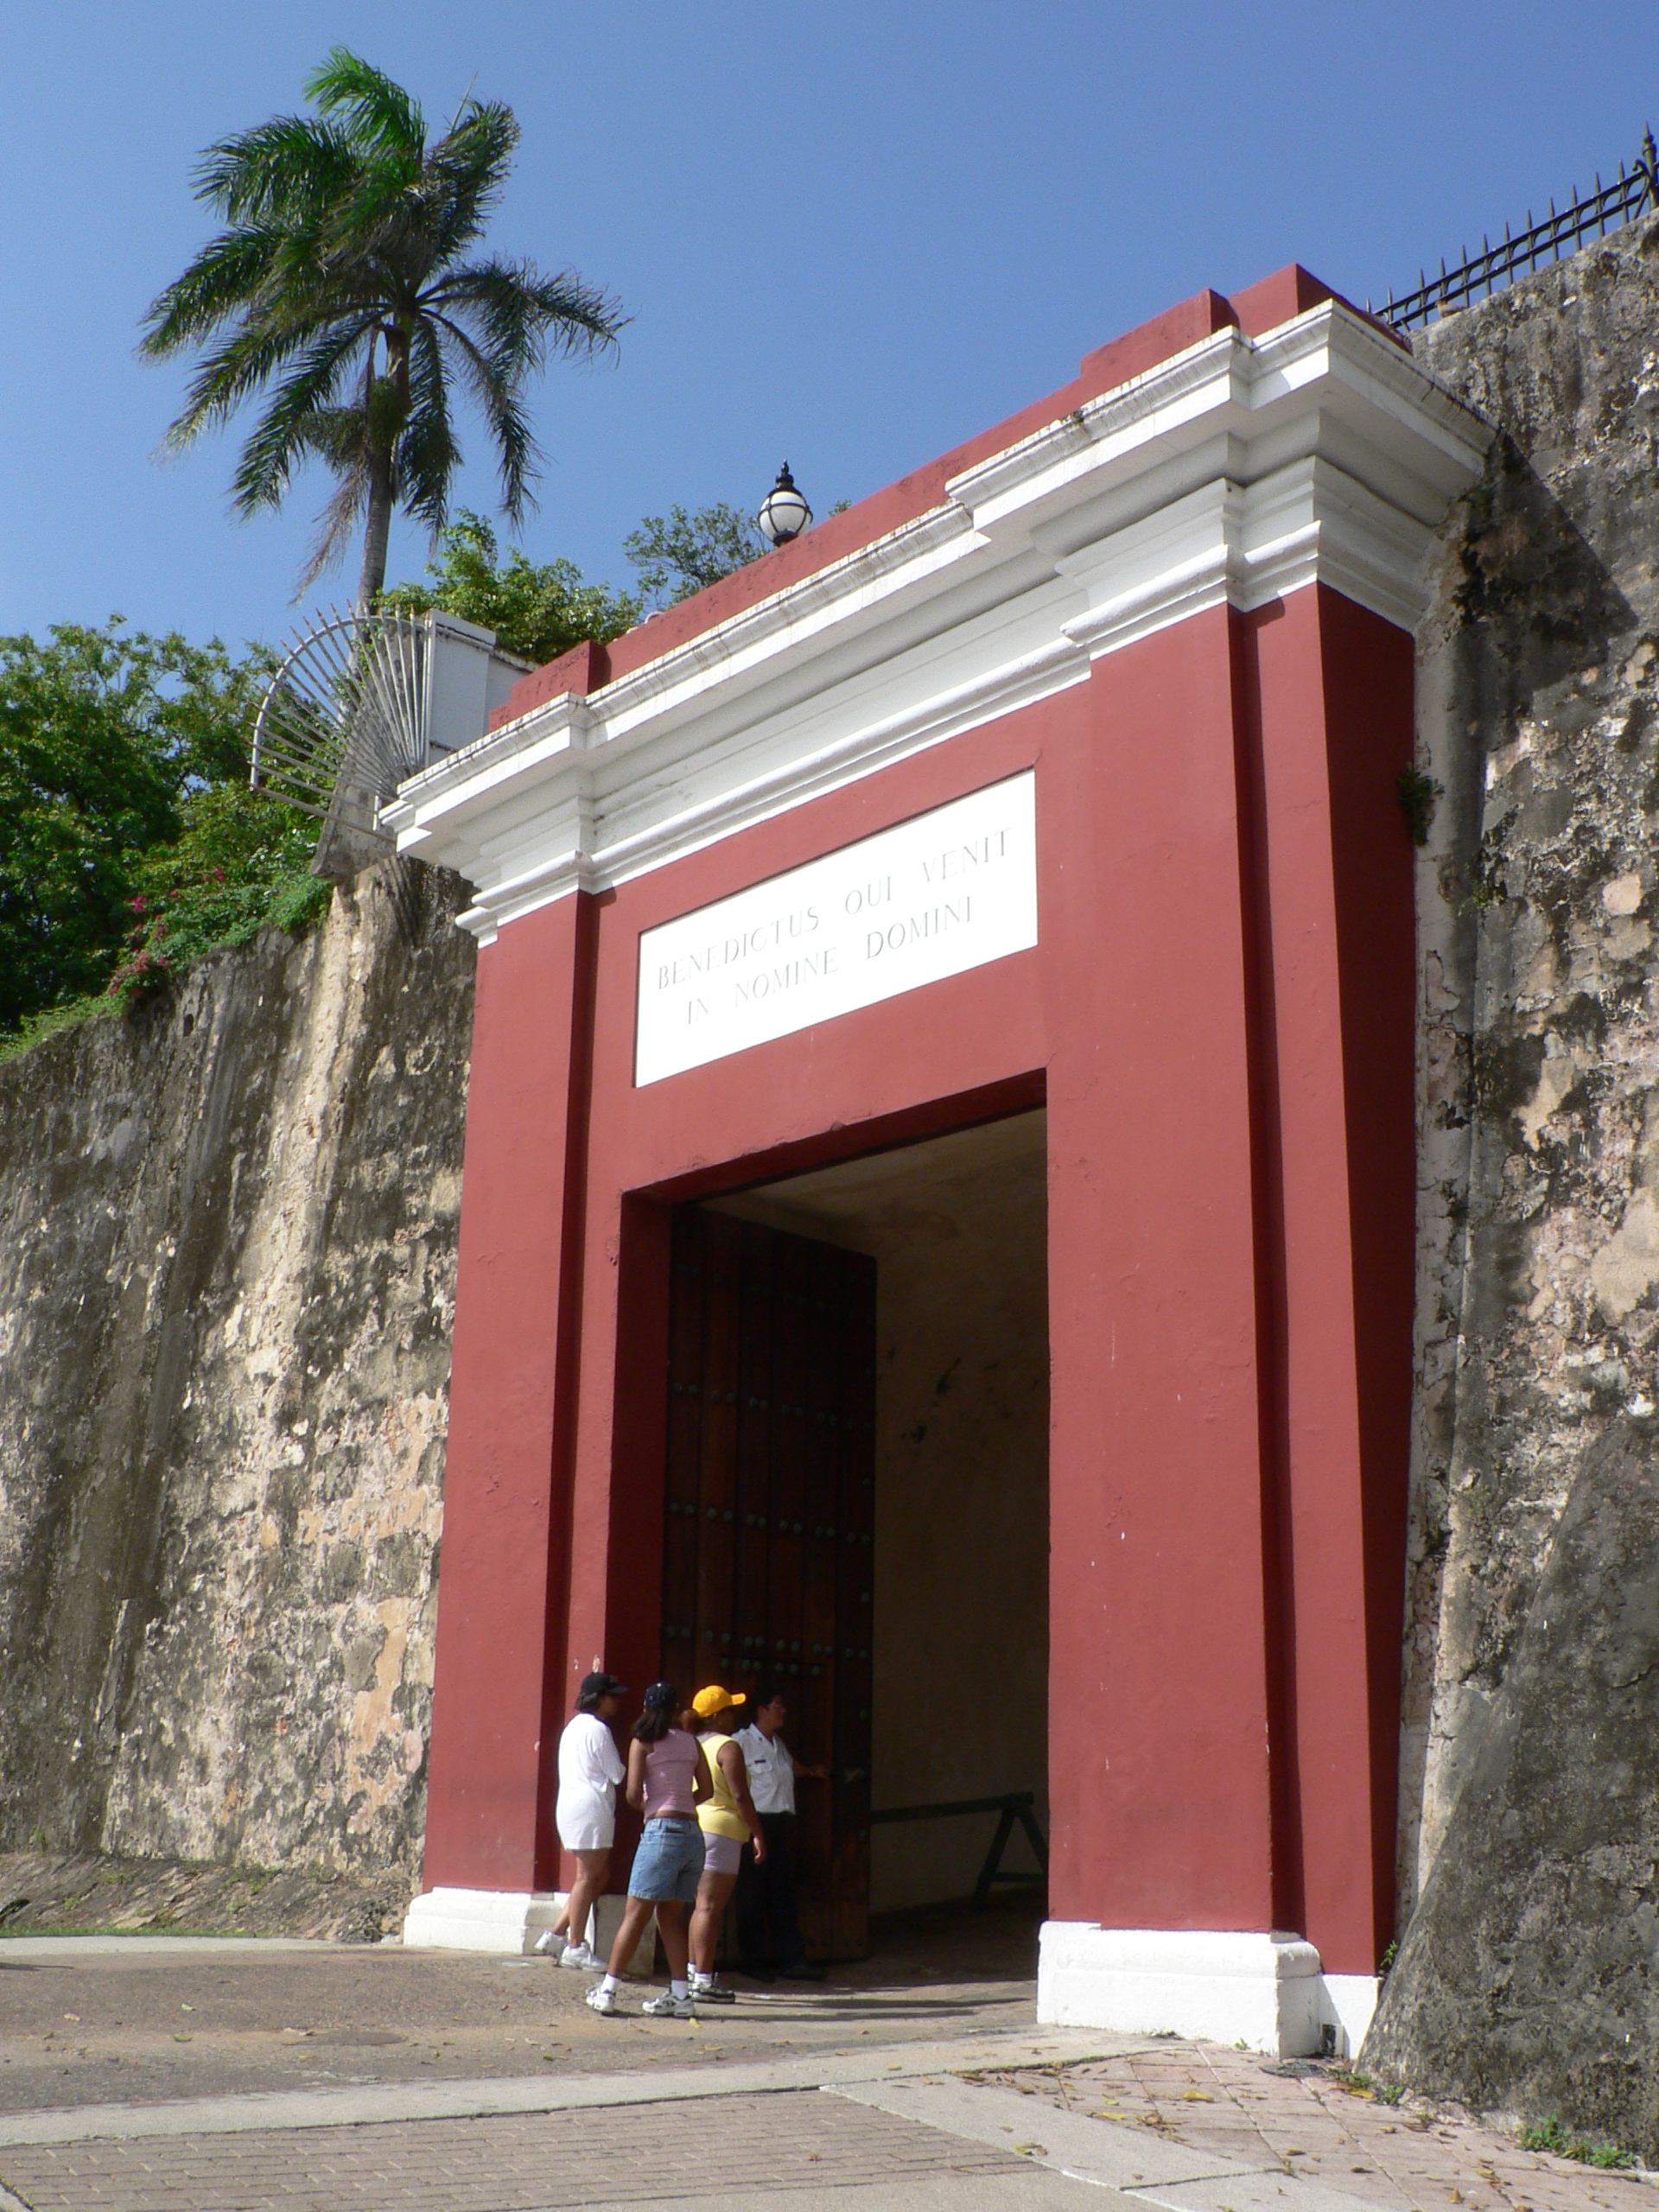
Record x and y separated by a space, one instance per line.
784 514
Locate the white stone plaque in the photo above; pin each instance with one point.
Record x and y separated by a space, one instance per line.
929 898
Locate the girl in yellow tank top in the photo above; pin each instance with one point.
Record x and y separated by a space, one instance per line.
720 1815
728 1820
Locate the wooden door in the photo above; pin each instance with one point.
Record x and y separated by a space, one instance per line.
768 1566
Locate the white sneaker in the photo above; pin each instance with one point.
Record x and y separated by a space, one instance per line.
708 1991
580 1954
550 1943
602 2000
668 2006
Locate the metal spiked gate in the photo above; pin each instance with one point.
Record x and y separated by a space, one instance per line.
361 702
347 701
1610 206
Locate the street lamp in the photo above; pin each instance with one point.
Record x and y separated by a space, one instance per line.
785 513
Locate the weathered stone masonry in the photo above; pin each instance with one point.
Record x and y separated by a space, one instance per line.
227 1236
1530 1815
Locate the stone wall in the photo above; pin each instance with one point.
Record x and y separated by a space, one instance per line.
1529 1825
227 1237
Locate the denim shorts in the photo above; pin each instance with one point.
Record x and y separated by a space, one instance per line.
669 1862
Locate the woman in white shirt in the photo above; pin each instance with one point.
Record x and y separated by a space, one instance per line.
590 1767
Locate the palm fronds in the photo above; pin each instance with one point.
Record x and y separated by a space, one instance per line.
340 270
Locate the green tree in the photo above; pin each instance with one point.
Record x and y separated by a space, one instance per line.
102 733
339 287
678 553
539 609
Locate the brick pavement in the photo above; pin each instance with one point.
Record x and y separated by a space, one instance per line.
759 2147
902 2143
1412 2157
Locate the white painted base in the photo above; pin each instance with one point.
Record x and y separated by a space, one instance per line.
509 1922
1350 2001
1265 1992
504 1921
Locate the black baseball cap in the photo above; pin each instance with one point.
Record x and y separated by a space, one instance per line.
600 1685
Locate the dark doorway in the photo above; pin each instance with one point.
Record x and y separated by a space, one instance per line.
957 1227
768 1566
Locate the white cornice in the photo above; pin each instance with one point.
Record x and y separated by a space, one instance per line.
1235 473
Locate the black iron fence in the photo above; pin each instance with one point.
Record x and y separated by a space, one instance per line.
1632 193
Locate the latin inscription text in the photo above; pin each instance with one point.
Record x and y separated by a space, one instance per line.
929 898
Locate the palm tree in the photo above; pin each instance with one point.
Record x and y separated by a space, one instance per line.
338 287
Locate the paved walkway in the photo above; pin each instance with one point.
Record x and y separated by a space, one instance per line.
369 2092
783 2148
92 2020
1320 2124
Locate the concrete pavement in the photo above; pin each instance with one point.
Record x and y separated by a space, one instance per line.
226 2077
93 2021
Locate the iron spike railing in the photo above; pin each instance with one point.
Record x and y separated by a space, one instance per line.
1610 206
347 701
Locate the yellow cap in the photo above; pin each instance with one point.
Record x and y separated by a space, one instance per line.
714 1700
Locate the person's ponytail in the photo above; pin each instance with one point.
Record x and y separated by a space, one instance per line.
662 1704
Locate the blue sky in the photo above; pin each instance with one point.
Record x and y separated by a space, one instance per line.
848 234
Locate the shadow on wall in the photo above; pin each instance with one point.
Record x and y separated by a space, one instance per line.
1526 1979
1525 607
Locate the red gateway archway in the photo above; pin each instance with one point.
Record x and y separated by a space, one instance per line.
1061 773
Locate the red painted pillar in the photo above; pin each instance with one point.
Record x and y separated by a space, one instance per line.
498 1693
1333 688
622 1453
1162 1620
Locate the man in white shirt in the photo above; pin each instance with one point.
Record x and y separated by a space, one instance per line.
766 1893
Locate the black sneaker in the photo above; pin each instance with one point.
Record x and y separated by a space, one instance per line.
712 1992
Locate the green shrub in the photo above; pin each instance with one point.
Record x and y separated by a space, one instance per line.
537 609
67 1014
241 862
1551 2136
128 841
102 732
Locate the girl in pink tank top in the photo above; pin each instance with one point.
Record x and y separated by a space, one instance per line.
671 1770
667 1780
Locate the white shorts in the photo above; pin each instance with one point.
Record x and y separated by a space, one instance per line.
722 1854
585 1823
